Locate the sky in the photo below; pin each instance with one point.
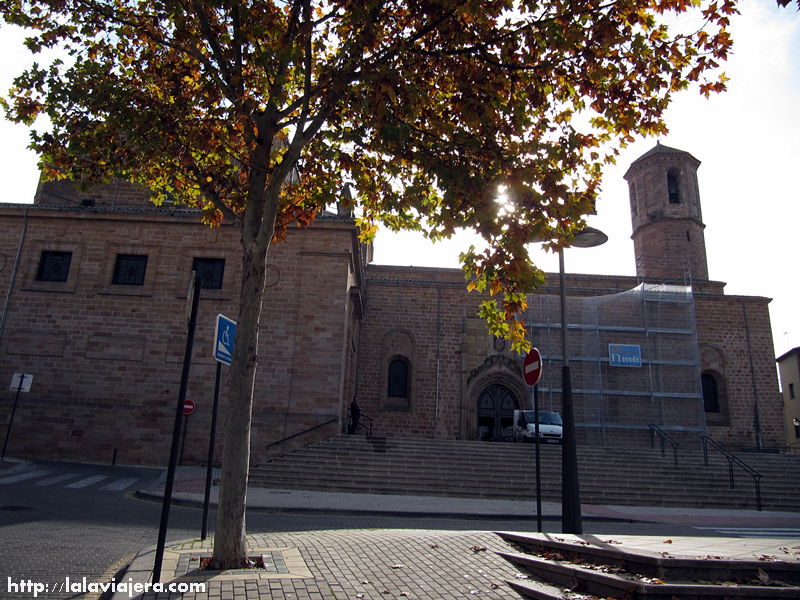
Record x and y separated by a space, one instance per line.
747 139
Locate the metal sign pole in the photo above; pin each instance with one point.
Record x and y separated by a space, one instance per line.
184 427
532 373
538 459
210 462
176 431
13 412
224 340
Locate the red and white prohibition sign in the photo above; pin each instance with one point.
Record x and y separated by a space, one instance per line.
532 367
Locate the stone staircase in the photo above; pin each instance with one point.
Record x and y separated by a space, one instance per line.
507 471
594 569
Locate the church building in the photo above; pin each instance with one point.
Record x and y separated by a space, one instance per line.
94 289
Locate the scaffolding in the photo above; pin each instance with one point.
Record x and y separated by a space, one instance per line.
633 357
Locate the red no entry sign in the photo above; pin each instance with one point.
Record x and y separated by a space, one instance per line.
532 367
188 407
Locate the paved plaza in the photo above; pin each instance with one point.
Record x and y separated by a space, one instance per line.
335 545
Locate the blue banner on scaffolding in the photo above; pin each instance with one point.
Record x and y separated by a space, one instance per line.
624 355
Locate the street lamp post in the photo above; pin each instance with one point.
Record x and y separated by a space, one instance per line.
570 489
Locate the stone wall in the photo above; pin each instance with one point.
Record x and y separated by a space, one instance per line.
106 359
427 316
736 341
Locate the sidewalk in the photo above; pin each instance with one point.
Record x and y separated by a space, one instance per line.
189 490
418 564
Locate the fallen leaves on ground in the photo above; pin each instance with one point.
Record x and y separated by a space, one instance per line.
477 549
552 555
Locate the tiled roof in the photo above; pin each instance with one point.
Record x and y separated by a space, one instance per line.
659 148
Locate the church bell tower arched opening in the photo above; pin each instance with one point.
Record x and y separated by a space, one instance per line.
666 215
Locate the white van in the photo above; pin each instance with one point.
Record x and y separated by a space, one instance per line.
551 428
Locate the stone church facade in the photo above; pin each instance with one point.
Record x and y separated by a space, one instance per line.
94 288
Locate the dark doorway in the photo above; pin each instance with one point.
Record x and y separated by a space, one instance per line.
496 406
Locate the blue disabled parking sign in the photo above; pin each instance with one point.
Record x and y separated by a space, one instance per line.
224 335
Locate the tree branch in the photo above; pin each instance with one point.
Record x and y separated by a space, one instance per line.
216 48
307 61
113 17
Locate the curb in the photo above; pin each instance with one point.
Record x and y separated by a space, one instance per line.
412 514
138 571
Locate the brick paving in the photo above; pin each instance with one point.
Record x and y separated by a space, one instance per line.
380 564
407 564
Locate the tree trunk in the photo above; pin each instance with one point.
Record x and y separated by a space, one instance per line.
257 227
230 550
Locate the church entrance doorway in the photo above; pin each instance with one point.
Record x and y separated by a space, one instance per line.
496 406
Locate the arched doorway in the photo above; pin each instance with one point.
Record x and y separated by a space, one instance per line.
496 406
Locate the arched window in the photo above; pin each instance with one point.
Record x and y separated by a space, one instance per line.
398 378
673 189
634 201
710 393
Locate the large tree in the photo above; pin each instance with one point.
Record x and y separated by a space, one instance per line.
424 108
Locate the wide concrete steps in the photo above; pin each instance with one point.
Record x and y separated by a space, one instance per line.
600 570
507 471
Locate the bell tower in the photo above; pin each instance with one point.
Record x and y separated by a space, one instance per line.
667 219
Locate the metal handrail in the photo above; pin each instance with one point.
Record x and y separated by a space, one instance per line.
367 428
733 459
655 429
299 433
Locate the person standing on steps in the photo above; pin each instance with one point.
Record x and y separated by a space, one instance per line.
355 415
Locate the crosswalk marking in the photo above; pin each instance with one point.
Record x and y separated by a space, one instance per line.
120 484
86 482
56 479
23 476
72 480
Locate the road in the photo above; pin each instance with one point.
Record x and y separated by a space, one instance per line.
62 520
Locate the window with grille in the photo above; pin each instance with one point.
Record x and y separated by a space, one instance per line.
130 269
54 266
210 271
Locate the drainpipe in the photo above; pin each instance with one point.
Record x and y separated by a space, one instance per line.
13 278
438 359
